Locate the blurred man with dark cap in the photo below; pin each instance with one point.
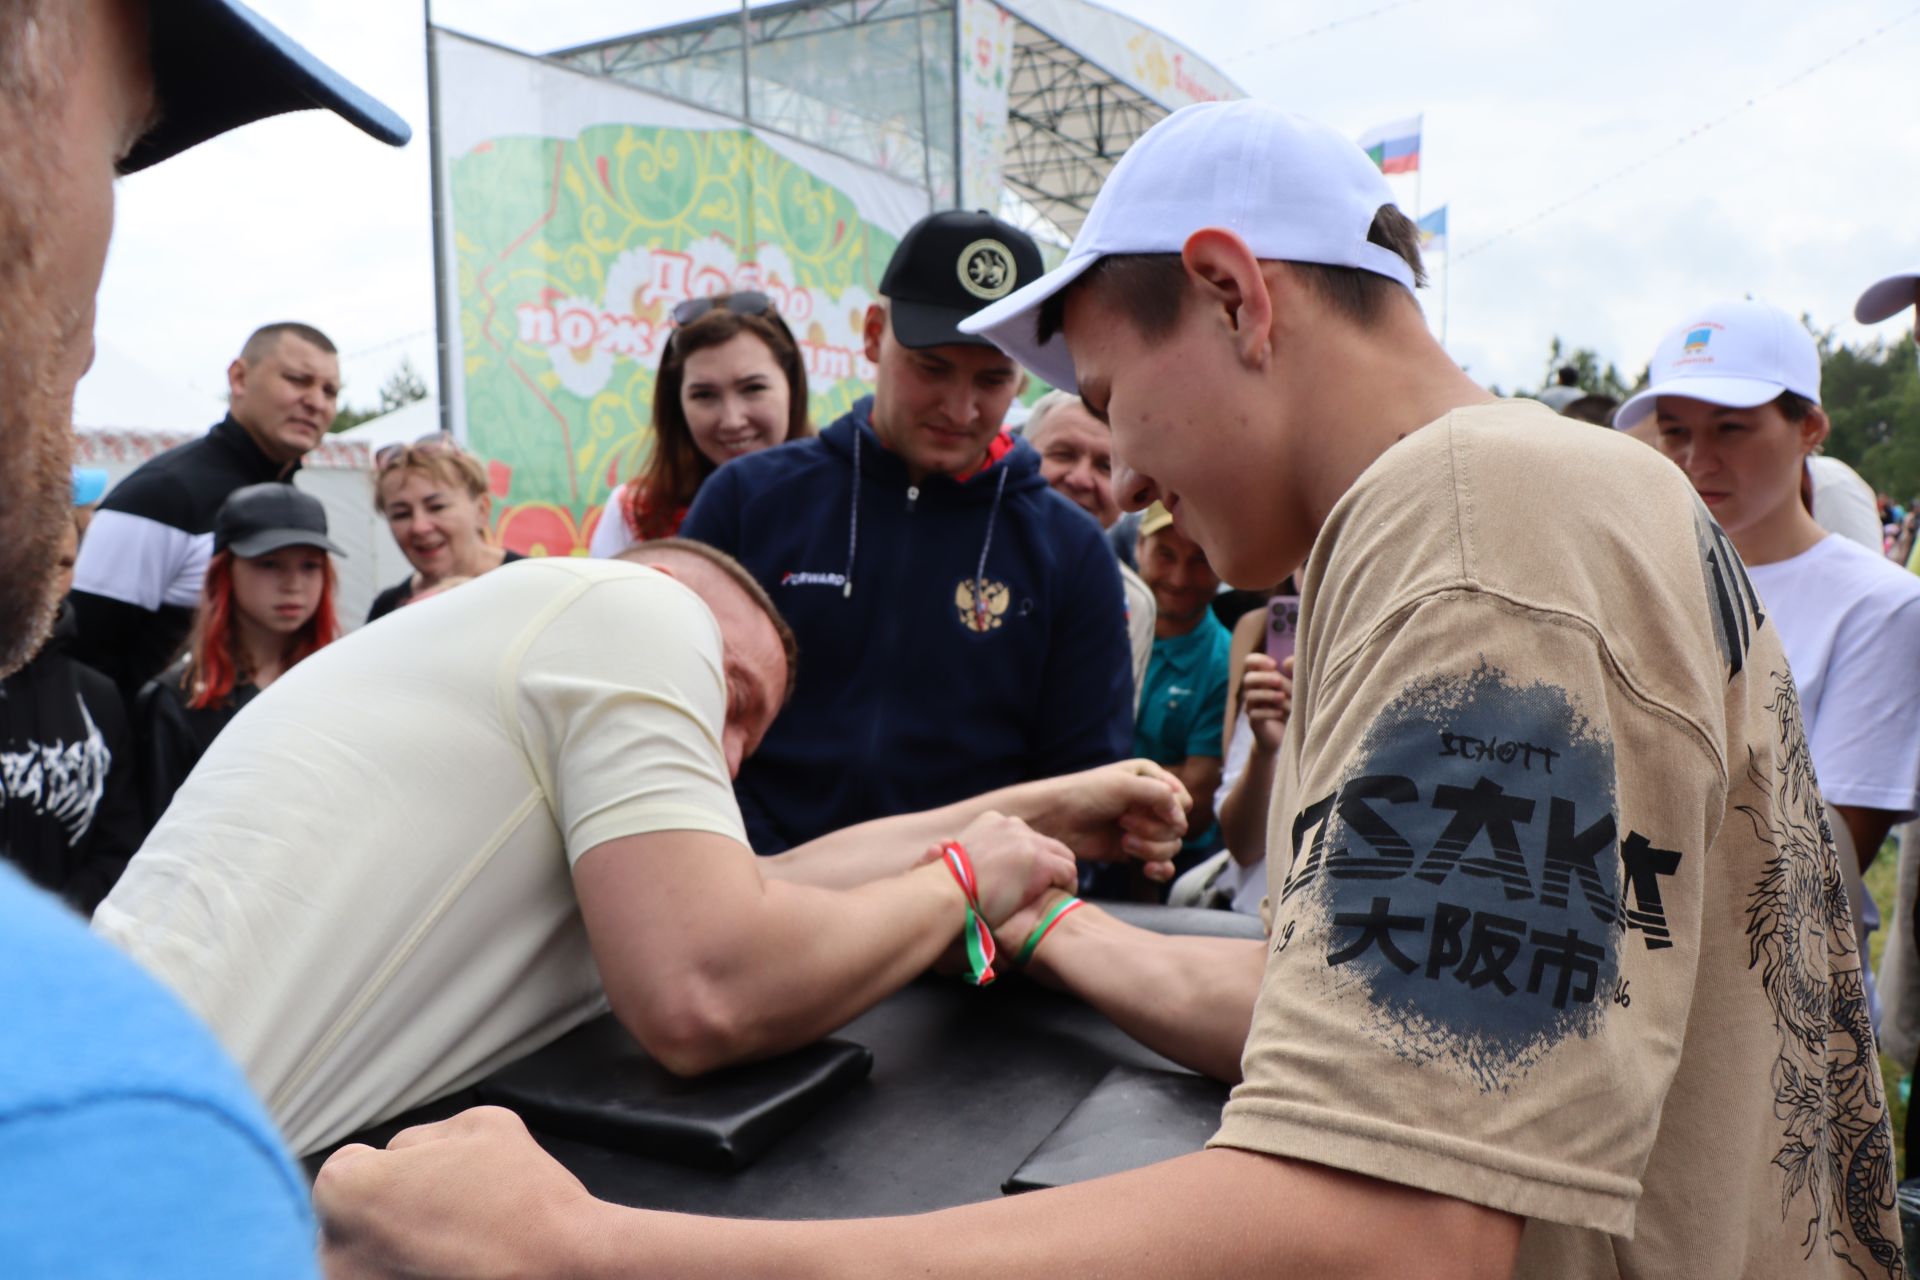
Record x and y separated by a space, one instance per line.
118 1109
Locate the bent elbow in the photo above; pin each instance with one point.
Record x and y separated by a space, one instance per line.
689 1034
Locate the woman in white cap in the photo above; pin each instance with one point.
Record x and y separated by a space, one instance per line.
266 603
1734 399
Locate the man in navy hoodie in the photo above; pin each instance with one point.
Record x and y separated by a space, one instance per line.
962 625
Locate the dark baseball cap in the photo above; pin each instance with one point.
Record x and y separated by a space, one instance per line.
950 265
218 65
266 517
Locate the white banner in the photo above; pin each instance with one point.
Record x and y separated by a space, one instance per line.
986 62
1160 67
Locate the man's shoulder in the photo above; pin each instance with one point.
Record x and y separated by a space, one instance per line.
625 599
1546 519
754 474
98 1024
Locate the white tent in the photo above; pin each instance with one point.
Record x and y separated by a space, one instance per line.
403 426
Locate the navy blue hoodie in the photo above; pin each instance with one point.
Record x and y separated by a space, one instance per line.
954 637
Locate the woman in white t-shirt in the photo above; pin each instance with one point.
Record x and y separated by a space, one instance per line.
731 382
1735 399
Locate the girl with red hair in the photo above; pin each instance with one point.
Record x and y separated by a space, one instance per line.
266 604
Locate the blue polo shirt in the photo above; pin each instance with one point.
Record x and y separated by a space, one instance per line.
1184 703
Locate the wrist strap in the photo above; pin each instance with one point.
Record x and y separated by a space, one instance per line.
979 938
1041 930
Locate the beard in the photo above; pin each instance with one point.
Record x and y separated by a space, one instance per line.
36 397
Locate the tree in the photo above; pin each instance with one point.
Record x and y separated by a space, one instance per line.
1872 396
1594 380
403 387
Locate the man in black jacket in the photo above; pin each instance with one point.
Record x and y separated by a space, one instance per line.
139 574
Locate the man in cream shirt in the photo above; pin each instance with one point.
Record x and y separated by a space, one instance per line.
440 843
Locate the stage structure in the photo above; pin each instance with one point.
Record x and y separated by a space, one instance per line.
581 194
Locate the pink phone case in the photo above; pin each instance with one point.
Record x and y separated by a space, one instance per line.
1283 620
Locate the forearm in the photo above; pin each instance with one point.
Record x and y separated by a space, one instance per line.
1868 827
810 960
888 846
1200 775
1220 1213
1243 814
1190 999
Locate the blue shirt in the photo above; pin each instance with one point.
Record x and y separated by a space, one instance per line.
1183 704
130 1145
955 636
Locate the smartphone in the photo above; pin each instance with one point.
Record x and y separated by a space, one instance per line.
1283 624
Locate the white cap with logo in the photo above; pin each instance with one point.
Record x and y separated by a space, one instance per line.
1737 354
1293 189
1888 298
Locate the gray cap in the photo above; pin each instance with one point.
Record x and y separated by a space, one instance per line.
266 517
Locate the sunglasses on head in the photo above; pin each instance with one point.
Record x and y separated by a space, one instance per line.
748 303
433 442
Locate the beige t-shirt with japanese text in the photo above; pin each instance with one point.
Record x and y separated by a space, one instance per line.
1557 925
366 885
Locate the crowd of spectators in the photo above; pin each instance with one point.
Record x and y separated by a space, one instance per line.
824 711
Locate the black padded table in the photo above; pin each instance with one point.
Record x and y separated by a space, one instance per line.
965 1084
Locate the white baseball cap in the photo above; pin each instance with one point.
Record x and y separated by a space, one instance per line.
1737 354
1293 189
1888 298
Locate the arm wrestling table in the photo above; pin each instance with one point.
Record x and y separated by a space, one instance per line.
966 1083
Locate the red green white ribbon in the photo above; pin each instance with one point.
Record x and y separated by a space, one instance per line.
1053 917
979 937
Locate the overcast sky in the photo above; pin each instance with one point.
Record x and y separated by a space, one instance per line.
1802 198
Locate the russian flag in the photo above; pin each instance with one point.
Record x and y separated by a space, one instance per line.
1394 147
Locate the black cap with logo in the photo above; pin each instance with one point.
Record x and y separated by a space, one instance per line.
950 265
266 517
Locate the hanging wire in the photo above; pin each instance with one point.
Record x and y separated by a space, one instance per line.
1322 29
1689 136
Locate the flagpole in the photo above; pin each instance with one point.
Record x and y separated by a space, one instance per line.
1419 164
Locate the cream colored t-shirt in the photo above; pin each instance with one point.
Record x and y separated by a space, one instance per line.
1556 925
365 886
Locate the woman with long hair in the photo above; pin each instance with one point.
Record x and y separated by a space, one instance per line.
266 604
731 382
436 502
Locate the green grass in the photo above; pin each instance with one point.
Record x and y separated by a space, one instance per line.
1880 884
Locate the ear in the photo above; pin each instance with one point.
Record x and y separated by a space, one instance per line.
873 329
485 501
237 378
1226 275
1815 428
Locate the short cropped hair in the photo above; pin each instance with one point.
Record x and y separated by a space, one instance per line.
1045 407
1150 289
262 341
737 572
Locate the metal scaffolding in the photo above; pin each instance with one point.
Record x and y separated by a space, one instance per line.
877 81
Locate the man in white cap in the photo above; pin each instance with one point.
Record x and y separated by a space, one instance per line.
1553 984
129 1144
